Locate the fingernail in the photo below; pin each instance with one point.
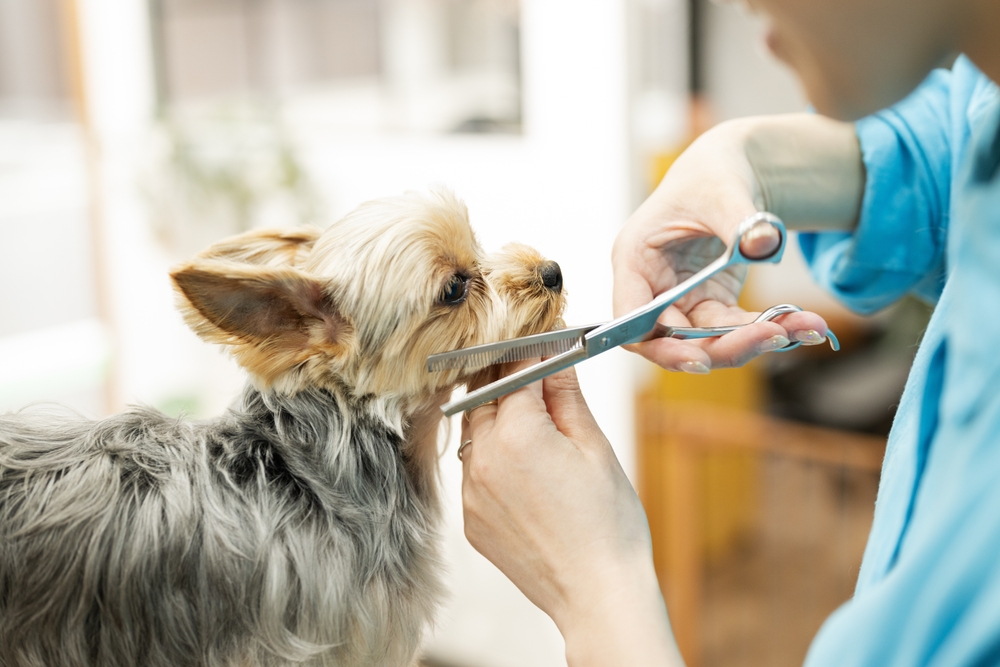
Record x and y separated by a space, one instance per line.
808 337
773 343
693 367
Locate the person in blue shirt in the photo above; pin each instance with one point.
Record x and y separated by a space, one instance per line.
901 200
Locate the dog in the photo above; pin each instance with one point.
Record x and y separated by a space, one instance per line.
300 527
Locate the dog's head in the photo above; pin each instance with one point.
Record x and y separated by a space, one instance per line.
363 303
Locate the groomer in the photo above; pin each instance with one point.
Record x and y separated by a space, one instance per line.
902 200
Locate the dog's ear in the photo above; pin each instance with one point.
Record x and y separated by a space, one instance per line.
265 247
273 318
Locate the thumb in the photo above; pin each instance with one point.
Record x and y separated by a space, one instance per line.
760 241
567 407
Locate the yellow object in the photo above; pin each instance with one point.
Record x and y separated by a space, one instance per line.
699 505
728 477
660 163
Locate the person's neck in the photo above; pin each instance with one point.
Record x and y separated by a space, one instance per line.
980 39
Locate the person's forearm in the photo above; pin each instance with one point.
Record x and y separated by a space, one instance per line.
808 169
622 622
804 168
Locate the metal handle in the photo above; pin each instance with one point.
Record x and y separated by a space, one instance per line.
697 333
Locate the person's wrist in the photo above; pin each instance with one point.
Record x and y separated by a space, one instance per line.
713 180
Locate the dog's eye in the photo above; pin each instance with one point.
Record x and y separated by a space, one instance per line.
456 290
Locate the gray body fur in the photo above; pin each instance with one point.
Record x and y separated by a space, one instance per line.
288 531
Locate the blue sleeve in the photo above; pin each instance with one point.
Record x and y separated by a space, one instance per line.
939 606
929 592
898 246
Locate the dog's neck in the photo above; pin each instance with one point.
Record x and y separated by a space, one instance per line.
327 426
421 438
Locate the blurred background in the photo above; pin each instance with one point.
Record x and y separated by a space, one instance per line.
135 132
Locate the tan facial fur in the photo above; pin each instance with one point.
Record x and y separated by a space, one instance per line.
517 274
359 305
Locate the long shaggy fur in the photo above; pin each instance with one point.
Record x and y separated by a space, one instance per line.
297 528
286 531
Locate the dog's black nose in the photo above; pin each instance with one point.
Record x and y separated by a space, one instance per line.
551 276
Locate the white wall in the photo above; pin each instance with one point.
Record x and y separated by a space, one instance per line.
563 187
741 77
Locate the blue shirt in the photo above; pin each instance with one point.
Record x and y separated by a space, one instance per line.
929 587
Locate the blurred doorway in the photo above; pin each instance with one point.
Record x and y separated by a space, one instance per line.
54 331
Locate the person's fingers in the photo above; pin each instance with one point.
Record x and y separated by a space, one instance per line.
713 314
630 290
746 343
675 355
568 408
483 415
517 407
524 401
734 349
477 423
479 418
806 327
673 316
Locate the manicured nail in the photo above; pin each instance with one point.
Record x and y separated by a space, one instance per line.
808 337
771 344
693 367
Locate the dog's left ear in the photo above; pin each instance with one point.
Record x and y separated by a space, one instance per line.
267 247
274 318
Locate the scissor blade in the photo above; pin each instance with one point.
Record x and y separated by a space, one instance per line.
547 344
515 381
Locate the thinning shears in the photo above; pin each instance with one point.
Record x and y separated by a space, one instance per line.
568 347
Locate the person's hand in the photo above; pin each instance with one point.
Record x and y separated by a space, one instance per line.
684 225
547 502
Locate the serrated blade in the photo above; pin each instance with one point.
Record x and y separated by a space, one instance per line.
480 356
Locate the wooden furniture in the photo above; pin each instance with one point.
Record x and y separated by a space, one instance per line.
698 458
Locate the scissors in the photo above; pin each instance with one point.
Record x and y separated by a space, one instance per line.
568 347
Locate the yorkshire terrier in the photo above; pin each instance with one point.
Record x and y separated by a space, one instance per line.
300 526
